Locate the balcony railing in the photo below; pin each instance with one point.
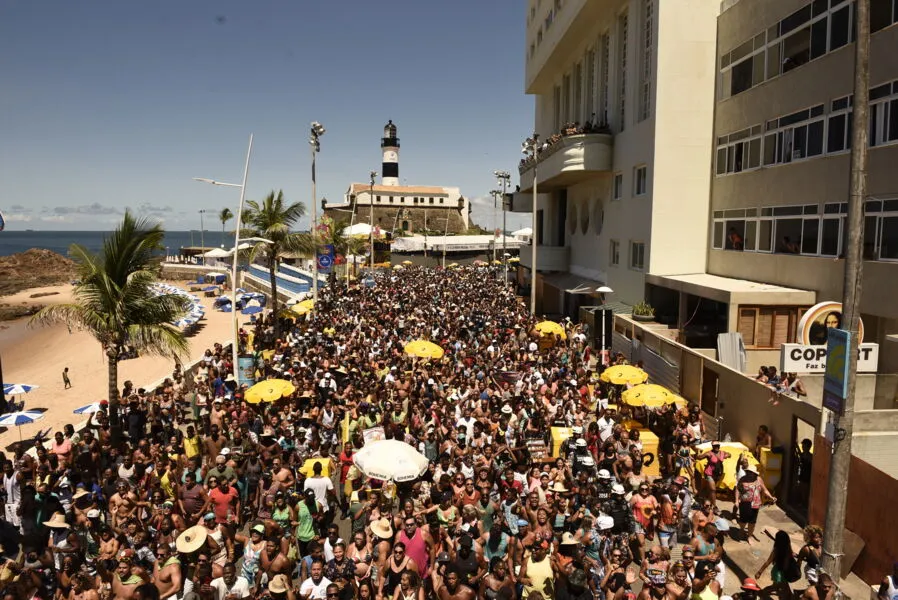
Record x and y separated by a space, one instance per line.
567 159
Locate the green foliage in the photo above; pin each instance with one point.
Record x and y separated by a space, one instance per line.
643 309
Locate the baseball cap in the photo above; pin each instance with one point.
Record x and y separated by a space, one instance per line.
750 584
93 514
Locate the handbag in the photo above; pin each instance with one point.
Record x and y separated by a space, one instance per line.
793 571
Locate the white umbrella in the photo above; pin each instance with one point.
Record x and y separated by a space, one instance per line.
20 418
89 409
15 389
390 460
217 253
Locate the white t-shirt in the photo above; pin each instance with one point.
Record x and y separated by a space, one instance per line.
317 591
239 589
320 485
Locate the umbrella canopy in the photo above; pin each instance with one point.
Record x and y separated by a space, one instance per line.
551 328
390 460
215 274
397 267
651 395
20 418
217 253
624 374
210 288
15 389
301 308
423 349
269 391
407 262
252 310
89 409
735 450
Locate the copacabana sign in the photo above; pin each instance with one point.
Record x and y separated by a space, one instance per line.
808 355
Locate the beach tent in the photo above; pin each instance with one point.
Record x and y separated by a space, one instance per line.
216 277
217 253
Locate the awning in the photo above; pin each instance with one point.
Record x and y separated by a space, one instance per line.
734 291
572 284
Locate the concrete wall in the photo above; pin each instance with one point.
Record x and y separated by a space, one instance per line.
870 512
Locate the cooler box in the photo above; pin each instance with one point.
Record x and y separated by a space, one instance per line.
650 446
771 470
558 437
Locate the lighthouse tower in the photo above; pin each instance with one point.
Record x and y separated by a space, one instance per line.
389 144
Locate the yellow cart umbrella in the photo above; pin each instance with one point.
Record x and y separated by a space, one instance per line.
407 262
651 395
423 349
624 374
269 391
551 328
397 267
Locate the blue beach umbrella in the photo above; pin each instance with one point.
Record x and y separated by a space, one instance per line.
88 409
16 389
20 418
252 310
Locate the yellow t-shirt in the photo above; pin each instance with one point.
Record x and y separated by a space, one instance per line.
191 446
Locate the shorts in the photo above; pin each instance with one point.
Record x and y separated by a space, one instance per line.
638 528
747 514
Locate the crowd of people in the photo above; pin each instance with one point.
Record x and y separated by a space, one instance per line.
191 492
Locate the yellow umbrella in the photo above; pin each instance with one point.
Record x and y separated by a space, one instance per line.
407 262
301 308
514 259
651 395
452 266
269 391
735 450
397 267
623 374
551 328
423 349
497 262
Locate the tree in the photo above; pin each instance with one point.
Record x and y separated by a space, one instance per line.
331 233
272 219
224 216
116 303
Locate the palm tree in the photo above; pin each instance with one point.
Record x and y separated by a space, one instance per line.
224 216
115 302
345 245
272 220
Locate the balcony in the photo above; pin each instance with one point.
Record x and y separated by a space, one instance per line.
569 160
548 258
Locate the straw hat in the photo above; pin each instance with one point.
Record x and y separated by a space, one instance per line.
382 528
81 493
191 539
57 521
751 469
568 539
558 488
279 584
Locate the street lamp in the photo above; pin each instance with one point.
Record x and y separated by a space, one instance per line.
504 178
203 211
242 187
530 150
316 131
373 174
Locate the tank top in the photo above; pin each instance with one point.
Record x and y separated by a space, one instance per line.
251 559
12 489
500 550
539 574
392 578
892 590
705 594
416 549
281 516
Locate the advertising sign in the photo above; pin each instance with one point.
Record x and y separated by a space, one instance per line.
809 354
325 258
835 382
246 369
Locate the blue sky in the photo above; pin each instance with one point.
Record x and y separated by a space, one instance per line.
109 104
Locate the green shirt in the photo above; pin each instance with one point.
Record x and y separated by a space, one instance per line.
305 531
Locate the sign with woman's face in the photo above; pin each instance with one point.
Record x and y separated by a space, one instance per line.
816 321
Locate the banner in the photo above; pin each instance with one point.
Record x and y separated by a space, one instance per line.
325 258
246 369
803 358
814 323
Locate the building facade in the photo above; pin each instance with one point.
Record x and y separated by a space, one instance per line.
624 102
396 209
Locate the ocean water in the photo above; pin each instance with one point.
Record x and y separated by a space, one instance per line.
12 242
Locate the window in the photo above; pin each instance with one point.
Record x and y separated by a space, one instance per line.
640 183
590 100
622 32
431 200
565 100
605 66
645 100
556 107
618 186
401 199
884 114
377 198
781 229
838 135
391 199
637 255
578 112
442 200
739 151
768 326
614 252
882 14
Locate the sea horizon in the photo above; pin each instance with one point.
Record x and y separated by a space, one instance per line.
16 241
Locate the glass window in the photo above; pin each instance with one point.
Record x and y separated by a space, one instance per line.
757 68
818 39
888 243
835 137
796 49
795 20
637 255
770 149
618 185
614 250
809 236
774 65
741 77
829 244
839 26
735 237
800 142
721 161
718 235
880 14
765 235
788 236
869 238
751 232
641 180
815 139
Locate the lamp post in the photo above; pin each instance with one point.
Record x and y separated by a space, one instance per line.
203 211
317 130
242 187
504 177
373 174
530 150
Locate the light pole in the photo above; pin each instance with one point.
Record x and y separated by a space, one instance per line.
504 178
495 194
373 174
530 149
203 211
242 186
317 130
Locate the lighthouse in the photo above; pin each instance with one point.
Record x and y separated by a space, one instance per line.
389 144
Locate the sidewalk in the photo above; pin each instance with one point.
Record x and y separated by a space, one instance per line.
744 560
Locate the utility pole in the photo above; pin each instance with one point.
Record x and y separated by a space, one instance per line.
530 148
504 178
373 174
316 131
834 529
425 237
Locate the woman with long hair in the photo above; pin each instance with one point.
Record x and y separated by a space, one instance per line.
783 560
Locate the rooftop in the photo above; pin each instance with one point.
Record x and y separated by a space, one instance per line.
397 190
728 289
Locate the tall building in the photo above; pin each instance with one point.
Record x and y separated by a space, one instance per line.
401 208
624 108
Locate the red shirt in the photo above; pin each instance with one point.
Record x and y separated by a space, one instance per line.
345 464
223 503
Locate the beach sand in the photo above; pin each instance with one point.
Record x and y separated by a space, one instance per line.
37 355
